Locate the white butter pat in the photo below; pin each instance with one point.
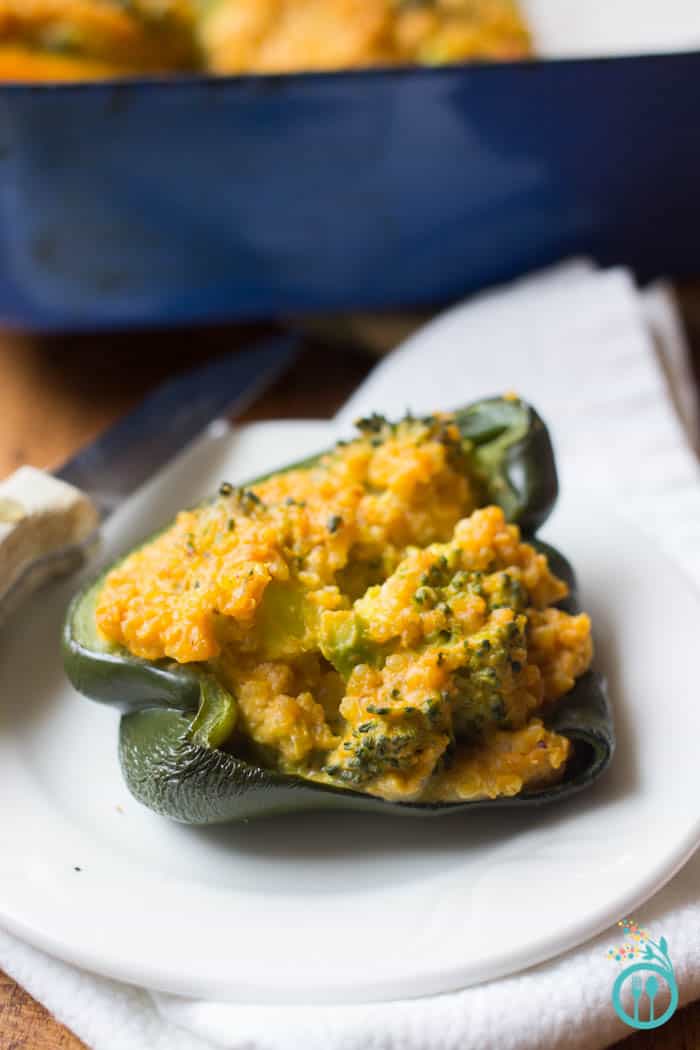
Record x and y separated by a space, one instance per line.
44 523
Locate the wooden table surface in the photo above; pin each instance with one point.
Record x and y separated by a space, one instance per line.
58 393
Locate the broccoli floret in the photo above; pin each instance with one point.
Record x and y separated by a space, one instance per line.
391 739
504 590
477 688
480 688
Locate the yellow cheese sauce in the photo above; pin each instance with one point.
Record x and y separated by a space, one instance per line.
276 36
22 64
93 39
379 629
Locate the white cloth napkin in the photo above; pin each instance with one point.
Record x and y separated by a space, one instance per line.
605 365
564 28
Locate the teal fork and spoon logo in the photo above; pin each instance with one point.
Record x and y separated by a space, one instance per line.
645 986
646 981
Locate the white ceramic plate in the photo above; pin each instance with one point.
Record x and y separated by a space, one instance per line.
343 907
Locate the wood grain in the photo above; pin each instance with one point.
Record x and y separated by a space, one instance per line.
56 394
25 1025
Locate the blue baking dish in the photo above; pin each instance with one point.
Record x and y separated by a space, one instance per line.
200 199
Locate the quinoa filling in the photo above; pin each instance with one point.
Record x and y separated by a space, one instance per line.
378 628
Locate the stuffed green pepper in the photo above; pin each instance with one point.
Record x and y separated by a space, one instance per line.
372 628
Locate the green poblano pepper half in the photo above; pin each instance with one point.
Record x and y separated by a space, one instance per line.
176 717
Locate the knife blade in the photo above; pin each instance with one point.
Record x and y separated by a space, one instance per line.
139 444
48 522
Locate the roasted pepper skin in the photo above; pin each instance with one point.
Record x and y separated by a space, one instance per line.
513 452
167 767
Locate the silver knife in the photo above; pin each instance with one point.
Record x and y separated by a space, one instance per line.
49 522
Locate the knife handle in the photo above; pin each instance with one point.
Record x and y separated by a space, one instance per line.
46 527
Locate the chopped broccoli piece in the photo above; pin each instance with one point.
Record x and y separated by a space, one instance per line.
480 688
345 643
390 742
